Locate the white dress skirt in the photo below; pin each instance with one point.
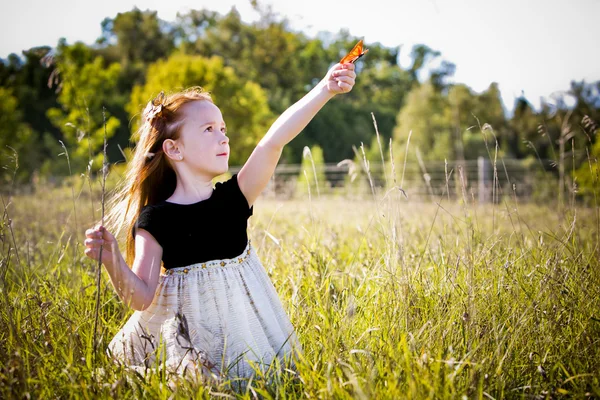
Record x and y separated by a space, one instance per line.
222 319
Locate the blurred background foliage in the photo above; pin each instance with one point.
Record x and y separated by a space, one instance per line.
65 97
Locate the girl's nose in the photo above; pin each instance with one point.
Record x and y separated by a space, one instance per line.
225 139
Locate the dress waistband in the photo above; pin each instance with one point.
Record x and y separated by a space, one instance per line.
221 263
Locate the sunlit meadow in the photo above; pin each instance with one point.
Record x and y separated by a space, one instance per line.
391 298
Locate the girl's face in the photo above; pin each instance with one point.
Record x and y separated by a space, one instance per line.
203 142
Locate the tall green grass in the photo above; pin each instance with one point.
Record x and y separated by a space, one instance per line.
390 299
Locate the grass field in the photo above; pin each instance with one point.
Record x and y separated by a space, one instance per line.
390 299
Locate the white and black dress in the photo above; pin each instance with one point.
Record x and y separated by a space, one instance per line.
215 310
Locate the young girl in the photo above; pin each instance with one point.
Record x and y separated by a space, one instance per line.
214 311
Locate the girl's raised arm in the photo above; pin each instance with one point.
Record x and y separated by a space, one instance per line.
255 174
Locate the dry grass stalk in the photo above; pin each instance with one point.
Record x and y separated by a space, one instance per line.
99 269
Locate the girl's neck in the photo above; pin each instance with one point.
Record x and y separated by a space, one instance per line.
191 190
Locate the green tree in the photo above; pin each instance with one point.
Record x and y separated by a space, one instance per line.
467 142
243 103
523 134
87 85
469 115
15 137
425 113
136 38
29 80
451 124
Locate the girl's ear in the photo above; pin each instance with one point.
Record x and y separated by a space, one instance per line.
172 150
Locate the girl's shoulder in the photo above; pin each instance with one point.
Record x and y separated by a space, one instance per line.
150 210
229 193
149 219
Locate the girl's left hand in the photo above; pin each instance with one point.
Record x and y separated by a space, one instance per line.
340 78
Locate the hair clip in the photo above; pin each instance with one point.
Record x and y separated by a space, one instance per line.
154 107
150 155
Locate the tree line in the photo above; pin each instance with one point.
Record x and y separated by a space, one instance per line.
63 99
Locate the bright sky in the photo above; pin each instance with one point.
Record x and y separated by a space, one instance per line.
532 46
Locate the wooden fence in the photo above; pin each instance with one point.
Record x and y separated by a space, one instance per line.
477 180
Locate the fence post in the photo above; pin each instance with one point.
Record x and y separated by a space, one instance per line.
482 175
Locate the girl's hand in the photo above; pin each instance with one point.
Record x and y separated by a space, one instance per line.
97 236
340 78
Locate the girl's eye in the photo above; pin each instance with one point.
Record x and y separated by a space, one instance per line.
210 129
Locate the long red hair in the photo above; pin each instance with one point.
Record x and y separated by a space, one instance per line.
149 177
